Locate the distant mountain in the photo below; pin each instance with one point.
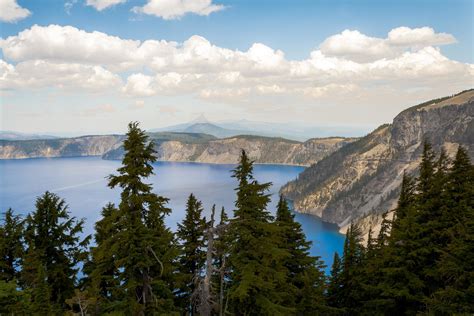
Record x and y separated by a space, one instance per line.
9 135
212 129
294 131
363 178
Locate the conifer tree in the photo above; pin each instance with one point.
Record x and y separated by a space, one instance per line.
334 291
54 249
305 278
191 260
103 275
222 245
351 268
11 246
143 247
258 274
455 266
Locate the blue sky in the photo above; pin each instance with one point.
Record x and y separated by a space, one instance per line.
294 28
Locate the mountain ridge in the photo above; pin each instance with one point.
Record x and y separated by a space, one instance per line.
363 177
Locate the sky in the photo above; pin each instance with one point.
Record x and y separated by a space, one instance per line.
91 66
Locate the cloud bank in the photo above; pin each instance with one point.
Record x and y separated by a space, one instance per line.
348 63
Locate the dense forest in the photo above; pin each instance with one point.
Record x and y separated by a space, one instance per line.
251 263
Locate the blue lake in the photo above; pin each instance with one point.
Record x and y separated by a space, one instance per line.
82 183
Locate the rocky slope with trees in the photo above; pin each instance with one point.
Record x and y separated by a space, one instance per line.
364 177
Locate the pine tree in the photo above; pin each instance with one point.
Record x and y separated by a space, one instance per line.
103 274
258 274
191 261
222 246
143 248
455 267
305 276
334 291
351 268
11 246
54 249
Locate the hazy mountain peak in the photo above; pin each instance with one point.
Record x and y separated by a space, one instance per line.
201 119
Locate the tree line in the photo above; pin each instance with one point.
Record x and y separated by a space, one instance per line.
252 263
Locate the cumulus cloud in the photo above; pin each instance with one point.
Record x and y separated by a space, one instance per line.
350 62
175 9
353 45
11 12
100 5
45 74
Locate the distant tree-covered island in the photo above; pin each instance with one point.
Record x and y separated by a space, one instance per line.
251 263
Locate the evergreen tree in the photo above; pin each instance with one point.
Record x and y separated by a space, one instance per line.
103 274
143 248
54 250
334 291
222 245
191 260
11 246
351 289
258 274
305 276
455 267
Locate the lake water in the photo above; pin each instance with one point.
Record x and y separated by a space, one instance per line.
82 183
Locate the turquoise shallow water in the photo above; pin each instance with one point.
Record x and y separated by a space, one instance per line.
82 183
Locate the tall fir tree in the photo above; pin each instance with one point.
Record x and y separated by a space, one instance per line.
102 282
143 247
190 234
334 289
11 246
54 250
455 267
305 276
256 261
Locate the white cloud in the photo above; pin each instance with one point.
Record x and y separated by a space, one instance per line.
10 11
67 57
175 9
44 74
103 4
424 36
353 45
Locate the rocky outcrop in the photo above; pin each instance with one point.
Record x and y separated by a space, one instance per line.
61 147
261 149
363 177
183 147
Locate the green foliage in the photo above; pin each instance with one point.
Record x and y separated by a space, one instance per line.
11 246
192 255
54 250
305 277
256 261
140 245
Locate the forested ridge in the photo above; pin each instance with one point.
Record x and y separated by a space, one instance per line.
251 263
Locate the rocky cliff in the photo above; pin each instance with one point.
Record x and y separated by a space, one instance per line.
363 178
60 147
183 147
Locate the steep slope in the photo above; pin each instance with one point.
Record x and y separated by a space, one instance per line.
363 177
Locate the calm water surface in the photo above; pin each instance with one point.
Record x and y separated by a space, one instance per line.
82 183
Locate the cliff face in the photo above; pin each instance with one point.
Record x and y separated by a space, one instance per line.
260 149
182 147
61 147
363 177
